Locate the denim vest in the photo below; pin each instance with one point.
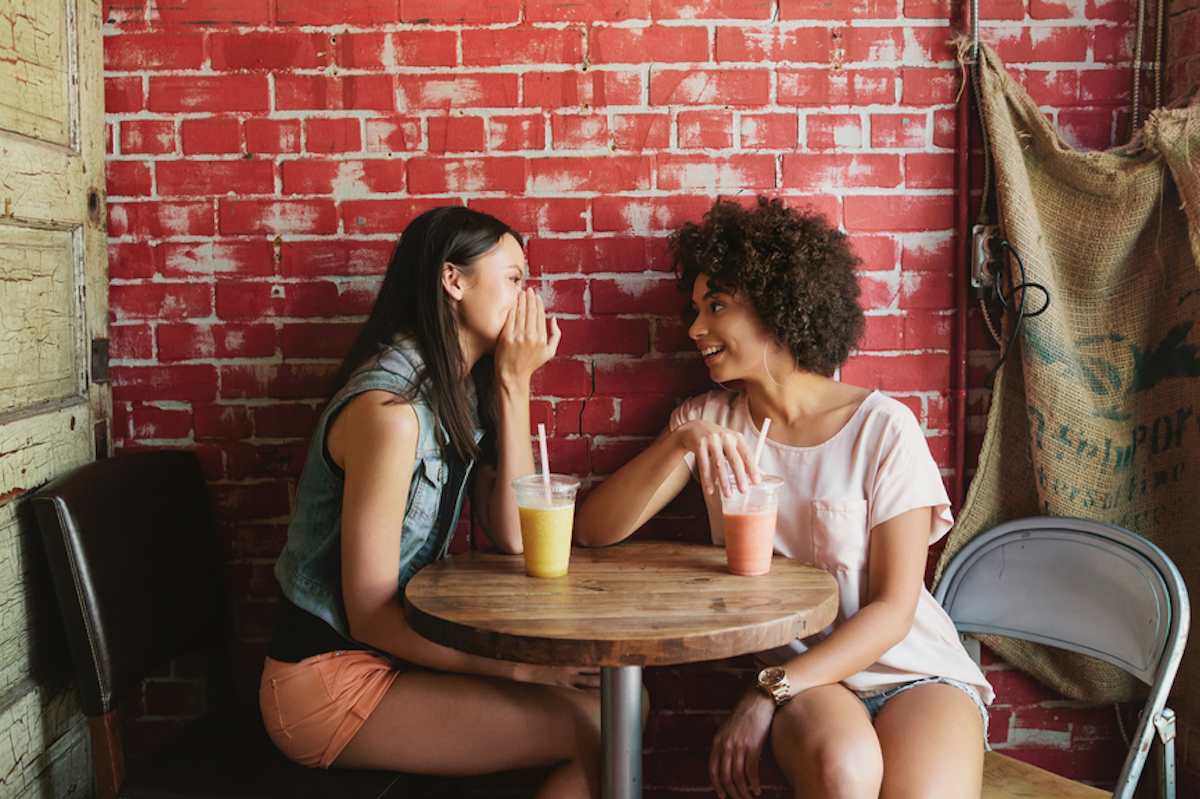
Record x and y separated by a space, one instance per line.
309 568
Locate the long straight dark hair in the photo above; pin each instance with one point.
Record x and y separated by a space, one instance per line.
412 301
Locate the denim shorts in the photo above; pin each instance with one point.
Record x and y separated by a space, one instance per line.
874 702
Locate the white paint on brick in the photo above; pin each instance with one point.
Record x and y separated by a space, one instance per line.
848 134
1045 739
451 93
283 218
554 182
711 176
350 183
175 218
697 89
387 55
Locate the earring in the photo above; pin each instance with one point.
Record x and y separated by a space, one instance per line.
767 369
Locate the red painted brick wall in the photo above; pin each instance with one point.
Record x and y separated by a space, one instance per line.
265 154
1183 48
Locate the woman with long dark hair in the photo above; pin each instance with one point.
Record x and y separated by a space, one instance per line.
432 398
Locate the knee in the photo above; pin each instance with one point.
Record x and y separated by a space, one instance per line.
847 771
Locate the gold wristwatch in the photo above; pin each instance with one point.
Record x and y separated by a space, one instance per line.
773 682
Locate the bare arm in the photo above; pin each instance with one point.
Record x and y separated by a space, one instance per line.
377 445
643 487
896 568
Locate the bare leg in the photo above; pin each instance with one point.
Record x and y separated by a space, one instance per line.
932 742
457 725
824 744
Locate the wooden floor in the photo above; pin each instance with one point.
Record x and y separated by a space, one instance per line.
1006 778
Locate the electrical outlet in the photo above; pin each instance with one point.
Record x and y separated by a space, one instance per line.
983 263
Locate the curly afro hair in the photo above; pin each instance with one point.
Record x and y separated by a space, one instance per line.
796 269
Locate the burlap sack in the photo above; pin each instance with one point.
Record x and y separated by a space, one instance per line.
1098 413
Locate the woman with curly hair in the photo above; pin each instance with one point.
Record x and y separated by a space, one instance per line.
885 701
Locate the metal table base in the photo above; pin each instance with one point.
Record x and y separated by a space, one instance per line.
621 728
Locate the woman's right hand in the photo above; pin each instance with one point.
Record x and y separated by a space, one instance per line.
722 456
525 344
579 677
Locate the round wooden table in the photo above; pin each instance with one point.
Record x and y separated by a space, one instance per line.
620 608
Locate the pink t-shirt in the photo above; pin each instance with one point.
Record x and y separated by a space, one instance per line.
873 469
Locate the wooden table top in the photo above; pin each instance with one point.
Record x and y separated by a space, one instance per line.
633 604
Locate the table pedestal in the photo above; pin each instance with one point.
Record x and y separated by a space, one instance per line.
621 727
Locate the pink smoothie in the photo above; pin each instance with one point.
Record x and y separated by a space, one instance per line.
749 541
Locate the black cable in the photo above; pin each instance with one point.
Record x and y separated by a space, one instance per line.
1023 286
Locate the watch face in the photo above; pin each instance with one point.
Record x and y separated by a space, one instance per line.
771 676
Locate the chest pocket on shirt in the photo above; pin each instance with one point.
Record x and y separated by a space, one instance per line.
839 534
426 490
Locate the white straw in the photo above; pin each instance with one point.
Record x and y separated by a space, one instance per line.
762 436
545 461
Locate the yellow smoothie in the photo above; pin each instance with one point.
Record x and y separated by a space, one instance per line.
546 536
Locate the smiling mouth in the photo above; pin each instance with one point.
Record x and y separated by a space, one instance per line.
709 353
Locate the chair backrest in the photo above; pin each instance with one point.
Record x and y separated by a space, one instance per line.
136 565
1078 585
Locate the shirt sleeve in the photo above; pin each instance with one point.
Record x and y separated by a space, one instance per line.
907 478
687 411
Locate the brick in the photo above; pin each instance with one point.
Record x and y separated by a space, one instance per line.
580 131
1003 9
712 9
1052 9
878 290
636 295
770 44
123 95
898 213
1058 44
130 261
251 501
522 45
705 130
334 257
464 175
875 252
214 93
928 330
929 44
929 86
882 333
225 258
346 93
238 300
611 174
900 372
317 340
876 46
332 135
825 9
456 134
1087 129
598 336
159 383
130 342
457 12
847 87
703 87
147 52
898 131
374 51
735 173
1113 45
343 178
562 296
230 422
926 290
486 90
280 381
1011 44
384 216
670 335
272 135
159 301
152 422
524 132
205 341
1112 10
834 131
214 13
594 88
390 135
127 178
285 420
270 50
651 375
832 172
337 12
769 131
563 377
211 136
159 219
1056 87
148 136
632 45
277 216
596 11
1105 86
944 129
929 170
921 9
181 178
582 256
528 215
638 132
641 216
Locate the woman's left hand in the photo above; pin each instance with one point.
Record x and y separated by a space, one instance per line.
737 747
524 344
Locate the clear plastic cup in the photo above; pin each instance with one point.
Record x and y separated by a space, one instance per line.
749 523
546 522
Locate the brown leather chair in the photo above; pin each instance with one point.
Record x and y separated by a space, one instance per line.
137 567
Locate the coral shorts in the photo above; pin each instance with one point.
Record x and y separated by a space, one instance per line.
313 708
